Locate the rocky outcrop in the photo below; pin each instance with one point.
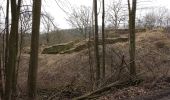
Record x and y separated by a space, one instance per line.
78 46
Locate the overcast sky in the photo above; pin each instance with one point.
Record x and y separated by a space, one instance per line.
58 13
54 10
52 7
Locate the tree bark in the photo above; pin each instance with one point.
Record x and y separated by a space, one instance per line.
33 66
7 34
13 45
103 40
1 79
132 17
97 59
14 79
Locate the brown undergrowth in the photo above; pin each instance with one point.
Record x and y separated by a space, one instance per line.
70 72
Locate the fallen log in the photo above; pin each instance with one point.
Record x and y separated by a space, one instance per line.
117 84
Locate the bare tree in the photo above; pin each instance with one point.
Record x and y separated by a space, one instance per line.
7 34
80 18
96 48
116 13
14 85
10 83
33 66
167 20
1 79
103 38
132 17
161 16
156 18
26 18
150 20
48 25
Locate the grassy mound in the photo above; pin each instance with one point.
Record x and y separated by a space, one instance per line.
58 48
78 46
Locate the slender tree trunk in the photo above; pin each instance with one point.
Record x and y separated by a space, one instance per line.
2 64
47 35
14 85
97 59
7 34
7 38
47 38
3 49
32 74
13 46
85 32
1 79
92 77
13 43
90 62
103 40
116 21
19 51
132 17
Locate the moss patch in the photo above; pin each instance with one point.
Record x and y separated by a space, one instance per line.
78 46
58 48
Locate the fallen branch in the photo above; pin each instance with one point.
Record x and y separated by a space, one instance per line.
117 74
117 84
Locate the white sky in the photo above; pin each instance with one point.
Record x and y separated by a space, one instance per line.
59 15
51 7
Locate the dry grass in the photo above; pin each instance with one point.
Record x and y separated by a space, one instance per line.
152 58
61 70
152 50
58 71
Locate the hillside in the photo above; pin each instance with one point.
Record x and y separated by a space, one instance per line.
152 61
67 75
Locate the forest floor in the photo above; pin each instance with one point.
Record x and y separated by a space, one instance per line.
64 76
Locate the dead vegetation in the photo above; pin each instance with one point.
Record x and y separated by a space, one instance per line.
68 74
152 62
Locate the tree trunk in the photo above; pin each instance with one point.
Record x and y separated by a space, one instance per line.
13 45
33 66
97 62
14 84
91 70
132 17
7 34
1 79
103 40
